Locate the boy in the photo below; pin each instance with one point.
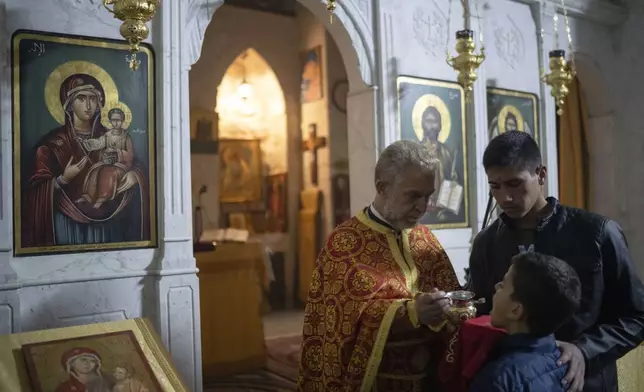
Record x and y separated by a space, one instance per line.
536 296
610 321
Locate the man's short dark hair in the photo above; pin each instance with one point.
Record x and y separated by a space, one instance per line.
548 288
514 149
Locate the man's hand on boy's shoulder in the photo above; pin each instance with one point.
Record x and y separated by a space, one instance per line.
572 355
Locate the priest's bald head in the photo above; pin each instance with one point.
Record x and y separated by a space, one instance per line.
404 182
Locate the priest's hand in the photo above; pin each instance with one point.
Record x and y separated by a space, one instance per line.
572 355
432 307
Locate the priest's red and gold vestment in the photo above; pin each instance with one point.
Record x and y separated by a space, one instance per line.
366 277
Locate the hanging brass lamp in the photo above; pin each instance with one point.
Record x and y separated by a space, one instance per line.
561 75
467 62
134 14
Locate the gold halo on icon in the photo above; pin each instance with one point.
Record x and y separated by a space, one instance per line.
423 103
503 114
116 105
60 74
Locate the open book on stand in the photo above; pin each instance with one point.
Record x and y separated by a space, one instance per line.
224 235
450 196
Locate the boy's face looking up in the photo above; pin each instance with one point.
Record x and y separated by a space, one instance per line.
506 312
536 296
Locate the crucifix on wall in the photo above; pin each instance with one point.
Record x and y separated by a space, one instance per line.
311 145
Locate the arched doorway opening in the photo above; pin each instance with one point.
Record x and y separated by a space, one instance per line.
323 73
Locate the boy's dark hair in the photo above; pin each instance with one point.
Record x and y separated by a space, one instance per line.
548 288
512 149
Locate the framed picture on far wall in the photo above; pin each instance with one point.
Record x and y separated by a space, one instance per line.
432 112
276 197
241 179
203 132
312 85
84 145
509 110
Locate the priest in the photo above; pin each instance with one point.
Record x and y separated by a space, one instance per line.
375 313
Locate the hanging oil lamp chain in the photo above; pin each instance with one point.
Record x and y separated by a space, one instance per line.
562 72
330 6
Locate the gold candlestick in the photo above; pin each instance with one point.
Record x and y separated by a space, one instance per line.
559 79
467 62
134 14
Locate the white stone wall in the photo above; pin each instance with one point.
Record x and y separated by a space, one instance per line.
625 131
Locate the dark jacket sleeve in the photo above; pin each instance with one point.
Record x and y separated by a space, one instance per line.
623 305
478 279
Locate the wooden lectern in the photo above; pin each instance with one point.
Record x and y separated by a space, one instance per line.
230 294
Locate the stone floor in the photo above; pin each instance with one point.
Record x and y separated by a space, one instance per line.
283 337
283 323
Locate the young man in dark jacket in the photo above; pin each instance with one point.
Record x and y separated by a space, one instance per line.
610 320
536 296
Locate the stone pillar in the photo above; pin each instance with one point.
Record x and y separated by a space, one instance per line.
543 13
387 65
177 286
477 131
9 299
361 118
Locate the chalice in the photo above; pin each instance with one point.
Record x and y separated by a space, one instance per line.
463 306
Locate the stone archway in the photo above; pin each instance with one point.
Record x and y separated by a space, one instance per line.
267 115
350 31
353 36
178 32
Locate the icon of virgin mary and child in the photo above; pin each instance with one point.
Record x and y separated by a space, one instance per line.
84 184
116 155
84 367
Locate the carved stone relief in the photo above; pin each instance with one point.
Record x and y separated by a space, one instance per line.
430 30
365 10
364 6
199 14
90 9
509 43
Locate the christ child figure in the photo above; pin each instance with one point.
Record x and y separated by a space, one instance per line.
117 153
124 380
